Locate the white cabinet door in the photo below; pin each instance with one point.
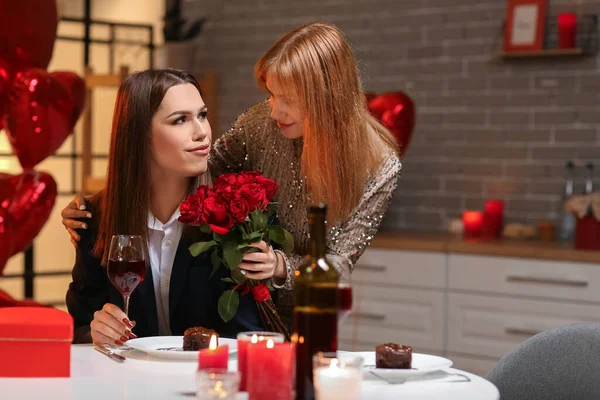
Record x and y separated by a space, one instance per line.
534 278
403 268
491 326
404 316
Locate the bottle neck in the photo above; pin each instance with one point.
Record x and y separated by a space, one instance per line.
317 235
589 183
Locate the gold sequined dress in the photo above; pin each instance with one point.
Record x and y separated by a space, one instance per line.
255 142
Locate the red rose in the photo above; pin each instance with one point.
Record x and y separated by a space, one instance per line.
225 180
191 209
255 195
247 177
239 208
215 213
269 185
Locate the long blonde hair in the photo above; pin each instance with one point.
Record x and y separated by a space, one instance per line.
340 153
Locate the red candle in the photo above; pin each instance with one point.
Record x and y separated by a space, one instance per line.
270 370
491 225
214 357
567 29
472 221
243 340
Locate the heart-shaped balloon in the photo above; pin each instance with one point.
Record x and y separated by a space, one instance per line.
26 201
28 32
7 73
396 111
41 111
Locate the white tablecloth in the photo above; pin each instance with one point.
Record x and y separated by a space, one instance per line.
95 376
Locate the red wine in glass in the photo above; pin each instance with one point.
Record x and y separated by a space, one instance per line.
126 275
126 265
345 301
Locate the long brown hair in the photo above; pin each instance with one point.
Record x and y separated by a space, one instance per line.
125 200
341 149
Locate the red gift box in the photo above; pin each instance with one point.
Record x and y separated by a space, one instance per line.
35 342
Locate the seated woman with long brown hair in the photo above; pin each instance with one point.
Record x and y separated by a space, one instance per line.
159 149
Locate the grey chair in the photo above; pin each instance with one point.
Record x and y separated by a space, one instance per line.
561 363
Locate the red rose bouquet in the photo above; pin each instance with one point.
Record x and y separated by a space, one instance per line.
237 211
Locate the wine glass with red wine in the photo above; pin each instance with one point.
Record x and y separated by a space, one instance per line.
126 265
345 289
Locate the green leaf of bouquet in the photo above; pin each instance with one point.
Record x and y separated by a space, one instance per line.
228 280
201 247
288 243
259 220
231 255
215 261
217 238
228 304
205 229
276 234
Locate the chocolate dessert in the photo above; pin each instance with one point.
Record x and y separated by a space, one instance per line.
198 338
392 355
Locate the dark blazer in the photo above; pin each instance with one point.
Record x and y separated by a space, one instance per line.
193 297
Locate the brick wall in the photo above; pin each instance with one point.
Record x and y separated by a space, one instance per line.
484 128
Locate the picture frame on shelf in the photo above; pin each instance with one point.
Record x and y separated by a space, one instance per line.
525 25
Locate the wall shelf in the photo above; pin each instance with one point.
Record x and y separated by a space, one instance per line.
542 53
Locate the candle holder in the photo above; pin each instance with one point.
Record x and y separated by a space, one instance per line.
270 370
337 376
243 341
567 30
472 221
213 384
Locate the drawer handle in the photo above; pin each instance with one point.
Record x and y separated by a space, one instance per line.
547 280
373 317
521 331
375 268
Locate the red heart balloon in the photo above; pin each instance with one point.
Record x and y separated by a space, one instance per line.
26 201
28 32
41 112
7 75
396 111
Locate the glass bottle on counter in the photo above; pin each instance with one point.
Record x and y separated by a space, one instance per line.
567 219
316 303
589 180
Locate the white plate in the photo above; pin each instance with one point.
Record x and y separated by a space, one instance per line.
171 347
421 364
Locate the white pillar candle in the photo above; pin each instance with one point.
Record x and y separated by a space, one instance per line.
335 383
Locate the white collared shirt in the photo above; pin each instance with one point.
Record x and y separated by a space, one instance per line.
163 240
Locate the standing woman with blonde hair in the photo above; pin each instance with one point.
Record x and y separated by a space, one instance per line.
316 138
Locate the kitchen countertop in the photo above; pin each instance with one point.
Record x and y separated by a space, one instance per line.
446 242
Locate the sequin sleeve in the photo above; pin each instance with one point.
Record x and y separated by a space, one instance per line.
348 241
352 238
229 152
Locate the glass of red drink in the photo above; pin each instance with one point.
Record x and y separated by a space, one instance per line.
345 289
126 265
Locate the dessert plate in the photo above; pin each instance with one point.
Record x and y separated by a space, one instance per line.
171 347
421 364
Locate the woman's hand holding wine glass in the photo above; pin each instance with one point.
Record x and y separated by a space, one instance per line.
111 326
126 270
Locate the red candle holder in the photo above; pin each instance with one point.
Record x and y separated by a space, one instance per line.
270 370
245 339
567 30
493 219
472 221
214 357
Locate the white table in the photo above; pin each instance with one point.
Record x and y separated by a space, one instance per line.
95 376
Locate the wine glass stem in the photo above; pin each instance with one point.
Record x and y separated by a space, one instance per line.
126 303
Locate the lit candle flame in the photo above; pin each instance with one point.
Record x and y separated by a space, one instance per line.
334 363
270 344
254 339
213 343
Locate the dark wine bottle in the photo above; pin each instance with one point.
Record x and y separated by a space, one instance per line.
316 303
